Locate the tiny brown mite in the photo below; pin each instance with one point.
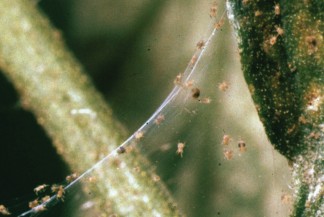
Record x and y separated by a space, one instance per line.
206 100
59 190
193 60
121 150
257 13
228 154
71 178
195 93
180 150
178 79
219 24
40 208
45 199
279 30
223 86
200 44
4 210
159 119
139 135
33 204
40 188
286 198
242 146
213 10
226 139
189 84
156 178
277 9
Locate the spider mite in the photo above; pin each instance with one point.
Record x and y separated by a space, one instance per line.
223 86
195 93
189 83
71 177
180 150
59 190
277 9
45 199
92 179
40 208
139 135
279 30
206 100
257 13
156 178
33 204
228 154
193 60
178 79
213 10
219 24
40 188
200 45
226 139
242 146
286 198
159 119
4 210
121 150
273 39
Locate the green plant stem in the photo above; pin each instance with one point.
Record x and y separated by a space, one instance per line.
282 56
53 86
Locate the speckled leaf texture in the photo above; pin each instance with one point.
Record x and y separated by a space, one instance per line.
281 48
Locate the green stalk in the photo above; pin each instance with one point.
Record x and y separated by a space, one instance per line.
53 86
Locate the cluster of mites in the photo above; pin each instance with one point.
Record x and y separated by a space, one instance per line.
140 134
195 93
228 153
37 204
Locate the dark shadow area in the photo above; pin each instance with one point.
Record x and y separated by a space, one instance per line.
27 157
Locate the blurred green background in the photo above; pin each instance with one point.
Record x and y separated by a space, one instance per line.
133 50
